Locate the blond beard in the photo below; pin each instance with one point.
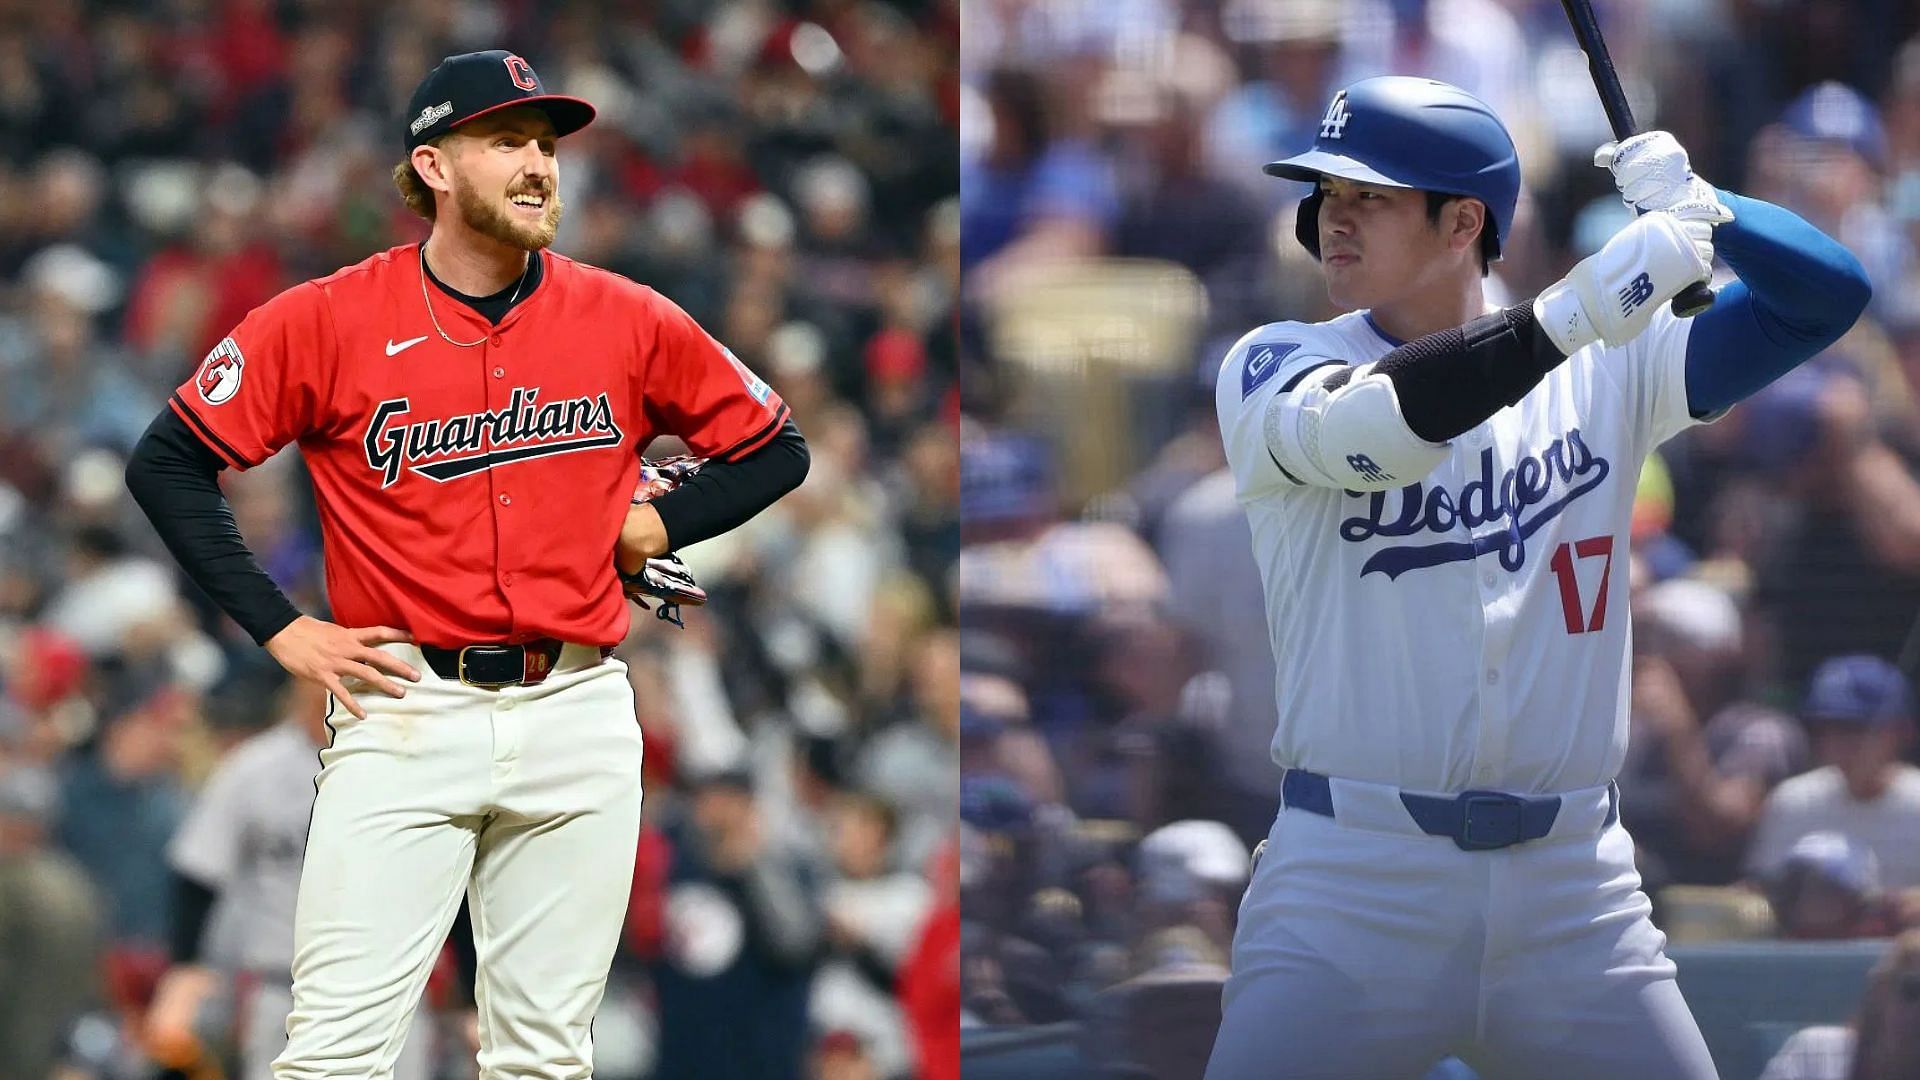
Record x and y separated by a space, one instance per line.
489 220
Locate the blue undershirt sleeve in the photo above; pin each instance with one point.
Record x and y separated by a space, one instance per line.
1799 291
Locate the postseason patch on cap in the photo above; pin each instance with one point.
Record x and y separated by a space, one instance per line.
430 116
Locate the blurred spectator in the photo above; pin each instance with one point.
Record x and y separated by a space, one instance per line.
1216 593
1831 536
873 914
912 764
1019 555
50 929
1164 1016
1882 1042
1030 195
1823 159
740 926
122 801
1474 44
72 389
1828 887
1171 208
1700 759
1860 715
1295 46
1191 874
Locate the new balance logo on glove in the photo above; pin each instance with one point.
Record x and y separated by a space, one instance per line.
1634 294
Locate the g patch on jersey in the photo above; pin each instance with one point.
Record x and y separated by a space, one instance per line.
219 376
757 387
1262 362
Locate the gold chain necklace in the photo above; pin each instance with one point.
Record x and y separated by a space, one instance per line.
424 298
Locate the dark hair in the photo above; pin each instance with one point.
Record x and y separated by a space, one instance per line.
1489 243
1021 97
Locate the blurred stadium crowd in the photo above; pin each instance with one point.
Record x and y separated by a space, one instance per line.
786 172
1116 689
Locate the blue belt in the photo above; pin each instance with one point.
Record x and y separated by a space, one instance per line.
1473 820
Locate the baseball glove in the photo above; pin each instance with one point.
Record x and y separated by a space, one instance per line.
665 580
660 476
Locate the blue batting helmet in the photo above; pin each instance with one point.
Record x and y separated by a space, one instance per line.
1404 132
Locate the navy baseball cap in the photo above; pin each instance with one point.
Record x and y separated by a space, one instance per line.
1862 690
1005 476
1837 113
1839 859
474 84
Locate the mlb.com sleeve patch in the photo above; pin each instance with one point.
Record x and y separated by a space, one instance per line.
757 387
1262 362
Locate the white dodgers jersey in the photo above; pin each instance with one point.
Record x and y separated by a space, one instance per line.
1468 629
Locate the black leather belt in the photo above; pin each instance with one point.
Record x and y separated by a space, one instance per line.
491 667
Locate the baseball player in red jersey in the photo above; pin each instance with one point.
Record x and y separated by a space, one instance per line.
471 410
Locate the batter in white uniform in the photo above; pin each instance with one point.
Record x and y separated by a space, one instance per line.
1439 495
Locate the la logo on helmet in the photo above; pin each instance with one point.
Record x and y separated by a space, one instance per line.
1334 124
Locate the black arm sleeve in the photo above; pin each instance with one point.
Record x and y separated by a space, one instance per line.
724 494
1449 382
173 476
192 905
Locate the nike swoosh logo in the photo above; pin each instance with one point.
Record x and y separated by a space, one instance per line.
395 350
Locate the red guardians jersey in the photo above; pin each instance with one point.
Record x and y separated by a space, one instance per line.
473 494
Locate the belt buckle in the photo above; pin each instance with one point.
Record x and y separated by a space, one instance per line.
1488 820
481 684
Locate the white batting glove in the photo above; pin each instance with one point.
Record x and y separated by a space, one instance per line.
1612 294
1652 173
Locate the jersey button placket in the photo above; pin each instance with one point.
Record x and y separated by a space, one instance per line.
1485 579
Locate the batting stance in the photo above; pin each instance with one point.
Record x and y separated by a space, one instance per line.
471 411
1439 495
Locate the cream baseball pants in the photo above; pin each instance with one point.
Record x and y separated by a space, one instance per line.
527 801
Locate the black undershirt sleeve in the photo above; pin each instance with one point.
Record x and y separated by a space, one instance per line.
174 478
724 494
1449 382
193 904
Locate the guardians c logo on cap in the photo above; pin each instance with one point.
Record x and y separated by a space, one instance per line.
473 84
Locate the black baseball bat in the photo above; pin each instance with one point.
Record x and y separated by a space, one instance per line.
1696 297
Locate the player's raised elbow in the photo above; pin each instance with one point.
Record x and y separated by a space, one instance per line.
794 457
1852 290
1347 431
1840 291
